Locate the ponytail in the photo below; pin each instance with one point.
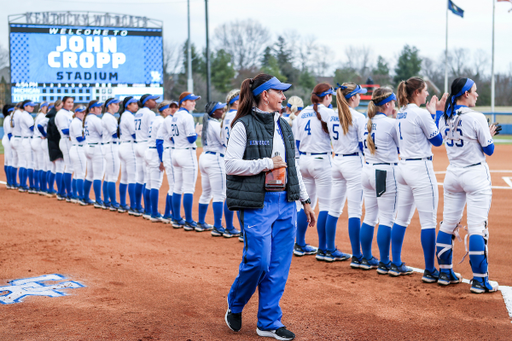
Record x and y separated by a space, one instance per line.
324 124
315 99
407 89
87 110
344 113
247 100
378 95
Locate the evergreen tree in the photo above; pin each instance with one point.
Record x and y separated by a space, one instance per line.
270 65
409 64
285 60
198 64
382 67
222 71
307 80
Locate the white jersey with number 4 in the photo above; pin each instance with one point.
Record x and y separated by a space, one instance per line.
313 139
464 136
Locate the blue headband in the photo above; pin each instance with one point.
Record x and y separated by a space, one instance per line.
130 101
236 98
357 90
390 98
290 106
44 104
10 109
342 87
272 83
164 107
79 109
325 93
97 104
451 106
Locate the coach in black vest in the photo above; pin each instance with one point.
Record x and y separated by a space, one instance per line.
263 183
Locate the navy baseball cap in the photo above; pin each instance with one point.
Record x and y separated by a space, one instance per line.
147 97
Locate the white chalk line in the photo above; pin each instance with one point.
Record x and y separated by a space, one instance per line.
507 179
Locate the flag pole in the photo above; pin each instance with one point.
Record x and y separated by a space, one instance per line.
446 54
492 64
190 81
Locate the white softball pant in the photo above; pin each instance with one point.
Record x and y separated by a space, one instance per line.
6 143
154 174
112 162
379 209
417 188
65 145
184 162
346 186
78 161
23 151
169 169
58 166
213 178
37 149
471 185
48 165
316 173
141 174
128 162
94 161
15 151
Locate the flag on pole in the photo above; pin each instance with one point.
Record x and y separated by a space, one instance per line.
510 10
455 9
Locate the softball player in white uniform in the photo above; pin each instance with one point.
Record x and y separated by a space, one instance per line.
314 146
76 152
6 143
110 152
93 130
42 127
23 131
379 178
467 139
127 155
16 144
417 184
346 129
40 154
184 160
62 121
143 119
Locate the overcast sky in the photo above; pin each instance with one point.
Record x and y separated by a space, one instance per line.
385 26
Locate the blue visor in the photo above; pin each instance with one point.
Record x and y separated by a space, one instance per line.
236 98
32 104
80 109
112 101
163 108
130 101
217 106
390 98
10 109
290 106
51 107
190 97
175 103
44 104
95 105
148 98
325 93
357 90
272 83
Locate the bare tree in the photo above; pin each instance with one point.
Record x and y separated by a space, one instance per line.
305 52
480 62
457 60
4 57
359 59
243 40
323 56
172 62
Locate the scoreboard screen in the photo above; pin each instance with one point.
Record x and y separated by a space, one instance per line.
49 62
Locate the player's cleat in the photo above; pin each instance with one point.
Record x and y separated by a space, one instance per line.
218 231
60 198
449 278
241 237
74 200
397 270
233 320
42 193
178 224
51 194
356 262
336 255
134 213
201 227
123 209
146 216
231 233
90 202
22 190
279 334
429 276
157 218
190 225
168 218
307 249
106 205
32 191
383 268
82 202
368 264
483 285
320 255
114 207
98 204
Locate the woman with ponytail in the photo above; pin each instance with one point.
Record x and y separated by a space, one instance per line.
468 138
110 153
76 152
293 108
312 140
417 184
40 155
7 110
93 130
379 178
346 129
263 183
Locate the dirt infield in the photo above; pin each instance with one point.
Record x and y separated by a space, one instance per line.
148 281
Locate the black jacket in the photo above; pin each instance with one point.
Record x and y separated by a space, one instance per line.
53 136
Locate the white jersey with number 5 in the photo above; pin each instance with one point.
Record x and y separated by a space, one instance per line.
464 136
309 130
415 127
346 143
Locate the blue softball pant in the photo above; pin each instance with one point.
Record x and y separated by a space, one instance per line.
269 235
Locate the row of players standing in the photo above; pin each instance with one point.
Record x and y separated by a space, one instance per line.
393 187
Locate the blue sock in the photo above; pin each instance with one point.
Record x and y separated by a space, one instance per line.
397 240
228 216
354 231
87 190
203 208
7 174
30 174
51 181
14 176
330 232
131 192
79 192
428 242
42 181
60 185
168 206
446 257
320 227
112 194
217 214
302 227
138 196
23 178
366 240
97 190
37 176
74 189
147 200
67 183
384 242
478 262
154 201
122 194
106 200
188 200
176 206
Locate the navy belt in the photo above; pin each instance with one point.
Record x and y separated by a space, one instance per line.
303 153
475 164
113 142
214 153
168 148
17 136
152 147
93 143
383 163
421 158
353 154
127 141
77 145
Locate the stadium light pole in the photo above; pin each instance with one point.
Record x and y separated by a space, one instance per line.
208 75
190 81
446 56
